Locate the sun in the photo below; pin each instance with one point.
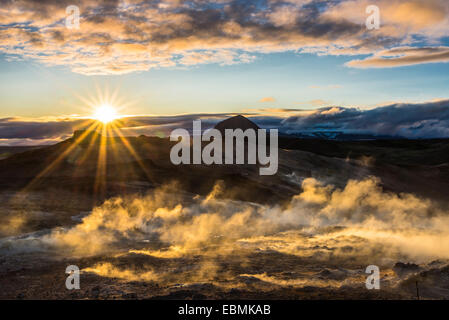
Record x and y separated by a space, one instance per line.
105 113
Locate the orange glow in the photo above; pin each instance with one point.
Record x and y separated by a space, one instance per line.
105 113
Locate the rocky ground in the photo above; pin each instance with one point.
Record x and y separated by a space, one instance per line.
30 268
225 232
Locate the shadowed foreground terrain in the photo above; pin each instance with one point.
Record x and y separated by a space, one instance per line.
139 227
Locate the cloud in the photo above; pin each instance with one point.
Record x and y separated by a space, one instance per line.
18 131
278 111
422 120
28 142
315 103
121 37
17 128
267 99
430 17
406 120
222 57
403 56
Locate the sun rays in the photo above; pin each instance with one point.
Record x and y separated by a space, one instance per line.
99 138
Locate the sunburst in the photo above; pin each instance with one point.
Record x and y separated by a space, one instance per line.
105 113
105 119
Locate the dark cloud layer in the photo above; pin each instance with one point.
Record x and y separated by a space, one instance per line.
15 128
424 120
16 131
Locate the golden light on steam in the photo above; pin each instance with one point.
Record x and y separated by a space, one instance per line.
105 113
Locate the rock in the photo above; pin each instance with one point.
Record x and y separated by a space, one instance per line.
333 275
404 269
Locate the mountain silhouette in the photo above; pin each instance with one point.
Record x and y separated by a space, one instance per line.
237 122
137 163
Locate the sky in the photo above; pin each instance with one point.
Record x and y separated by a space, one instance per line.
283 62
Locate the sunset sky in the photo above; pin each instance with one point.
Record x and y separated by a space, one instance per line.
276 59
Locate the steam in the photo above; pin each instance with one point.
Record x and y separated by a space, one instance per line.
319 216
358 225
12 224
110 271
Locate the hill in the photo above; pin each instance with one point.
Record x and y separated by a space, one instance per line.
111 165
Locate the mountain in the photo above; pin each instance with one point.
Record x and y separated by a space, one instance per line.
7 151
127 165
237 122
123 166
